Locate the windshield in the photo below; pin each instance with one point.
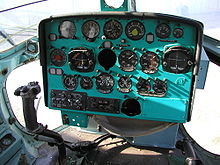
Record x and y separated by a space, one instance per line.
19 19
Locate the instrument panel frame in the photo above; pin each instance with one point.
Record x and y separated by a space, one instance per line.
130 16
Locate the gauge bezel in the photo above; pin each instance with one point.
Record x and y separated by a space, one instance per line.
62 54
135 38
90 58
75 82
103 89
90 81
159 34
148 69
176 36
111 37
60 32
147 90
188 58
163 87
127 68
122 89
85 35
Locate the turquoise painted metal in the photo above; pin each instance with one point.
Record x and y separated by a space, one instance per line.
22 142
123 7
175 106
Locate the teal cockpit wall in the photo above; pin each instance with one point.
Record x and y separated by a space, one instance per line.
18 148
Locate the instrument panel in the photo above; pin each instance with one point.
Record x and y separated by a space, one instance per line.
129 65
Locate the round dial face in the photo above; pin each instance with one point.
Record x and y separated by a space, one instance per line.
177 60
135 30
143 86
90 29
67 29
124 84
58 57
163 30
149 62
6 141
82 60
178 32
112 29
160 87
70 82
86 82
104 83
127 60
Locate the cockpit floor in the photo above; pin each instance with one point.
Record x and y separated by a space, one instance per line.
112 152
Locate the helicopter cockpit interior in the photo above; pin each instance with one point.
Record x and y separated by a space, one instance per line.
121 73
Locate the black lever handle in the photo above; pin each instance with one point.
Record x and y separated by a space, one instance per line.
28 94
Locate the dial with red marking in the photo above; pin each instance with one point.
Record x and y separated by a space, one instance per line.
58 57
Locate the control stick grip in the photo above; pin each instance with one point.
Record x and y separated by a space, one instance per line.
28 94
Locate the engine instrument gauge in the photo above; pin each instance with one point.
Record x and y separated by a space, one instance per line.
124 84
70 82
143 86
90 30
112 29
178 32
82 59
58 57
104 83
135 30
86 82
160 87
149 62
127 60
67 29
163 30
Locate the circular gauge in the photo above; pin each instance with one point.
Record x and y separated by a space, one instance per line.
124 84
52 37
160 87
112 29
82 59
104 83
32 47
135 30
127 60
149 62
67 29
90 30
143 86
86 82
163 30
6 141
70 82
177 59
58 57
178 32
